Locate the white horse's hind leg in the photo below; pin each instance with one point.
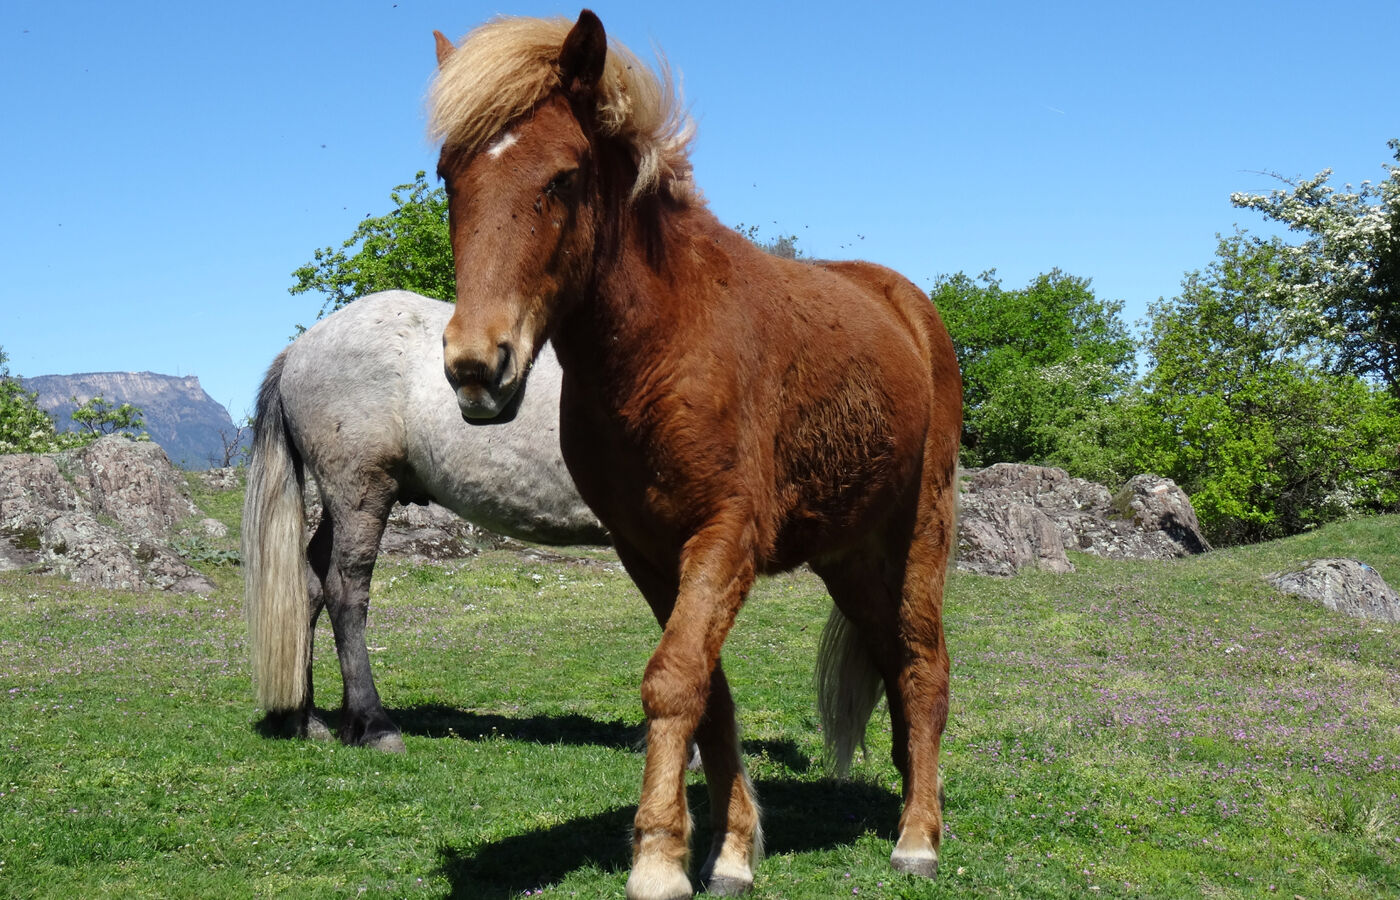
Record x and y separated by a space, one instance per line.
318 559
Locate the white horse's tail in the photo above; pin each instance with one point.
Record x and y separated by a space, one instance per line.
848 687
276 599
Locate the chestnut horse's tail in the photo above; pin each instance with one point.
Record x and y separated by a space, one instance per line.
276 599
848 687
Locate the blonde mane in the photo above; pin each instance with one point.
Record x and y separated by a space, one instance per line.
503 68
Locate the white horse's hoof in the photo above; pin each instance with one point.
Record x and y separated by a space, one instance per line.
658 881
316 729
725 886
388 743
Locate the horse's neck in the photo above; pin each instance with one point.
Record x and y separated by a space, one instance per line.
645 289
643 282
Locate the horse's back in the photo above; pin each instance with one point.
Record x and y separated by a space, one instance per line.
344 381
922 321
365 394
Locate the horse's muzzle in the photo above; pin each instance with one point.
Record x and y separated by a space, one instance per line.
484 387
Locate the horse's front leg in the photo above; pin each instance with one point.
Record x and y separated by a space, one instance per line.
683 686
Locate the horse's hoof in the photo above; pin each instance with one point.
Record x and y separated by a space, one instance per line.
658 881
915 862
317 730
387 743
728 875
291 725
725 886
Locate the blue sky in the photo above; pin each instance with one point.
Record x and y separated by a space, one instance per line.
165 166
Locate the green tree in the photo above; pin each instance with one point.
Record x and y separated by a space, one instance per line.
1042 370
408 249
784 246
1236 410
98 416
24 427
1339 287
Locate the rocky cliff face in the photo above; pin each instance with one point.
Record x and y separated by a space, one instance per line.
187 423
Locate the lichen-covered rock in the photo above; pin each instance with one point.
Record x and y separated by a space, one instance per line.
135 483
1347 586
29 481
88 552
1002 539
100 515
1150 518
1163 515
224 479
432 532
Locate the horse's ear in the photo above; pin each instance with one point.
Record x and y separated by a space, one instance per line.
583 54
444 47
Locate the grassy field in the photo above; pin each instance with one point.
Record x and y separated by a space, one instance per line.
1133 729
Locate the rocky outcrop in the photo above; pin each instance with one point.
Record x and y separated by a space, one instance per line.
189 424
101 515
106 514
1347 586
1018 516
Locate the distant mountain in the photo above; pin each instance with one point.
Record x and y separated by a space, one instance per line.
187 423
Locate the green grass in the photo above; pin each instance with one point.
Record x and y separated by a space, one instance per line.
1133 729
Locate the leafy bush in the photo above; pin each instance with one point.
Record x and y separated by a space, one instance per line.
1264 440
1042 368
407 249
24 427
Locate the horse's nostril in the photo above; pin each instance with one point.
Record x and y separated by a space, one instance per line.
503 357
467 372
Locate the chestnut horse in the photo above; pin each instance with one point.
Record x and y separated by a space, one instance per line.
725 414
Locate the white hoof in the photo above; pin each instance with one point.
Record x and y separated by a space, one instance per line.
316 729
726 877
389 743
657 880
916 861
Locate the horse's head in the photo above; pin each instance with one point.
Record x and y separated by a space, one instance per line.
521 207
549 135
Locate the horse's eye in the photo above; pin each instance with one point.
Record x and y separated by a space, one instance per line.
561 183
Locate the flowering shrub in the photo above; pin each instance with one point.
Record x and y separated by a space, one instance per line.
24 427
1340 286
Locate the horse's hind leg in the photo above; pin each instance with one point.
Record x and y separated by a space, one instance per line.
922 678
318 561
363 720
922 685
893 596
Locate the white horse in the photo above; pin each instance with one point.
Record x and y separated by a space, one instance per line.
361 402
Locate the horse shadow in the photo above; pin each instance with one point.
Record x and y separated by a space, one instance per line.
799 816
434 720
441 721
